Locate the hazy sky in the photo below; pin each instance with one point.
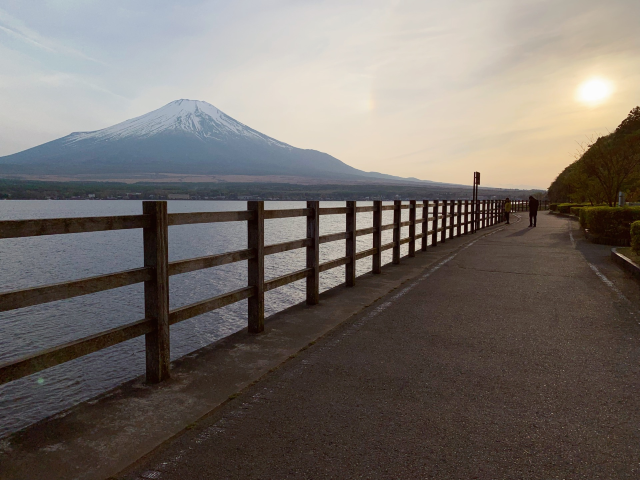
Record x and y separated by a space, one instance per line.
431 89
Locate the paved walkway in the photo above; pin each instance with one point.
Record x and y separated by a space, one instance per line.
511 359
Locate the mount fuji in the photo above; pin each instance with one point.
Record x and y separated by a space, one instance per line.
183 137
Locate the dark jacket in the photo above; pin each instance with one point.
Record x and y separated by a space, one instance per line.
533 206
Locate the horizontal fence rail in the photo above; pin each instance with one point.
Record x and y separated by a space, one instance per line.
428 220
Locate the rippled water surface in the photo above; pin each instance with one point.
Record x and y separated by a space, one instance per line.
28 262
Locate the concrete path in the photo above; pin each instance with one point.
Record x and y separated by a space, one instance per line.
516 357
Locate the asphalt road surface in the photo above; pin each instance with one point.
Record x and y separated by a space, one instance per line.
517 357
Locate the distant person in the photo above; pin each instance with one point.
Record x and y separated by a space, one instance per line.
533 211
507 209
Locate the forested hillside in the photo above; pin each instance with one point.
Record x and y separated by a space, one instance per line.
609 165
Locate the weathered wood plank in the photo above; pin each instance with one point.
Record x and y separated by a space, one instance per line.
313 254
365 231
338 262
412 228
443 235
255 267
286 246
287 279
366 253
210 304
407 223
405 240
60 226
332 237
59 291
208 217
388 207
191 265
288 213
334 211
350 245
387 246
434 228
377 237
387 227
466 217
365 209
156 291
51 357
425 225
397 217
452 207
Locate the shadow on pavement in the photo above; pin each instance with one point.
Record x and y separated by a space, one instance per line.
520 233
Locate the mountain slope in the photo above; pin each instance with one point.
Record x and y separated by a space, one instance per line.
184 137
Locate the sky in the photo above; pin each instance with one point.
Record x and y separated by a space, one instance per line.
427 89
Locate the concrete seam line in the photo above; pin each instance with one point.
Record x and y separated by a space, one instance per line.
601 275
608 282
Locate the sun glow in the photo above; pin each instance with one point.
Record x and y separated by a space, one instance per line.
594 91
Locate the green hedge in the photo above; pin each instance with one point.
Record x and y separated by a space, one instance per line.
635 237
583 216
609 222
566 207
575 210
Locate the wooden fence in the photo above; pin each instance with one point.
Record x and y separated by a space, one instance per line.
448 219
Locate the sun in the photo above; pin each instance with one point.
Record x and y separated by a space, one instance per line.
594 91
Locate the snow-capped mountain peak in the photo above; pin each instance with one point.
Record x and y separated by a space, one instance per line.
180 116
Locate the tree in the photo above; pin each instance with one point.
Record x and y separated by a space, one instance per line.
604 167
614 161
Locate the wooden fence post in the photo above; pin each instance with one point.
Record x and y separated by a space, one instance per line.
459 218
377 236
473 216
491 212
425 224
484 214
156 290
350 268
434 231
313 253
412 228
466 217
492 219
397 215
255 231
452 217
443 235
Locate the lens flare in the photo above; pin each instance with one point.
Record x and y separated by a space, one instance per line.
594 91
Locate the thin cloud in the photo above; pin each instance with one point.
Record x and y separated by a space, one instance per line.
15 28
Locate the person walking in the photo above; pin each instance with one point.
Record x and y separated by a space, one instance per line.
507 209
533 211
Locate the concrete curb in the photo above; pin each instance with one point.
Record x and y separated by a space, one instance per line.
625 262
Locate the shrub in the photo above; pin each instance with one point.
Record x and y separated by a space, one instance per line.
635 237
553 207
583 217
575 210
611 222
566 207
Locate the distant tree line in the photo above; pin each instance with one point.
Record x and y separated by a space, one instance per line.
34 190
604 167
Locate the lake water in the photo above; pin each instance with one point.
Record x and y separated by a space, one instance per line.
29 262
